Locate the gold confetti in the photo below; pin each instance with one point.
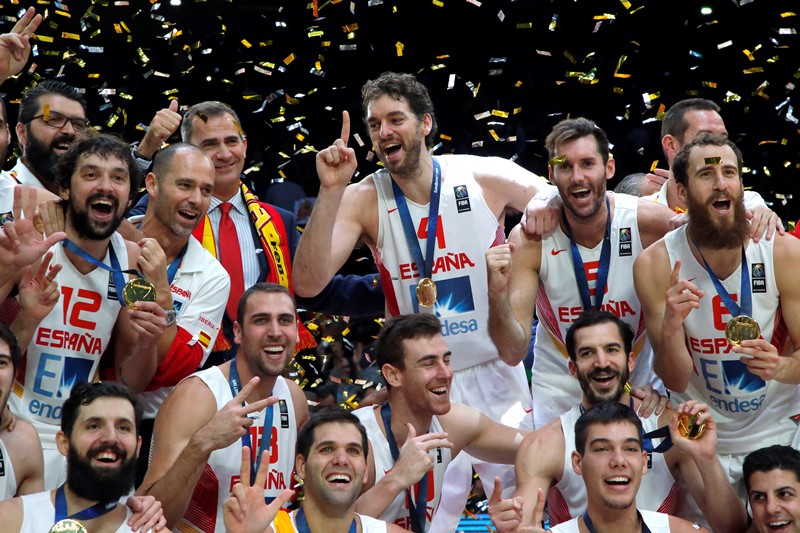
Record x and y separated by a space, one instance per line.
398 46
43 38
713 160
289 59
246 43
557 160
46 113
498 113
75 36
753 70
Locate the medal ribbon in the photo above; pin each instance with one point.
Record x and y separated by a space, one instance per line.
236 385
98 509
302 523
419 511
602 272
424 264
172 269
590 525
746 307
116 271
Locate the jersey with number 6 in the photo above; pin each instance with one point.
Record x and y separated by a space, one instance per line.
67 345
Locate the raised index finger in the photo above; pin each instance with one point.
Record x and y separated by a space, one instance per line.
675 277
345 127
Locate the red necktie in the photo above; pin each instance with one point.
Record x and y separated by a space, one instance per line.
230 255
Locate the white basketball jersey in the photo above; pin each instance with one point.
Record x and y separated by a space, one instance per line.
222 471
398 511
749 411
558 304
466 229
67 345
567 499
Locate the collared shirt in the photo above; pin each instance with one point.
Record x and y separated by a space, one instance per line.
22 174
244 230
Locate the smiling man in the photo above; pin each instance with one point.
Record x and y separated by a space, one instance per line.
560 276
190 284
721 309
67 333
601 358
209 417
331 459
772 478
415 435
52 117
100 440
610 457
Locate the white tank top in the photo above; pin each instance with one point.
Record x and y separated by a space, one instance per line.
658 491
398 511
222 471
657 522
39 514
749 412
558 304
61 355
8 481
466 229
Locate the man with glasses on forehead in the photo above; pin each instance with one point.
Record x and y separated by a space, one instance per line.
52 116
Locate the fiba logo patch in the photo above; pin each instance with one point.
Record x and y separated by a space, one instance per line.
759 277
462 198
625 242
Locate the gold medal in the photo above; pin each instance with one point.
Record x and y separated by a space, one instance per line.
426 292
741 328
68 525
138 290
688 428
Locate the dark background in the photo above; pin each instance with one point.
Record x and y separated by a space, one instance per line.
531 62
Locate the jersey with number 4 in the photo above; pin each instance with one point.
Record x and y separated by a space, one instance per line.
67 345
466 228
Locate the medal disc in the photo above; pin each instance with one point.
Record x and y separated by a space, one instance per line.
741 328
426 292
688 427
68 525
138 290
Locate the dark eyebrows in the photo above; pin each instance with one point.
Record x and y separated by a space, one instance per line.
430 356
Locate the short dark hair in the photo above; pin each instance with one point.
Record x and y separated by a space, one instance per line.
162 162
680 167
85 393
29 106
305 436
13 346
605 413
571 129
770 458
401 86
674 122
593 318
390 349
262 286
204 111
103 145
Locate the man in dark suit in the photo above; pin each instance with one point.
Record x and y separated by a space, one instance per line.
267 235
